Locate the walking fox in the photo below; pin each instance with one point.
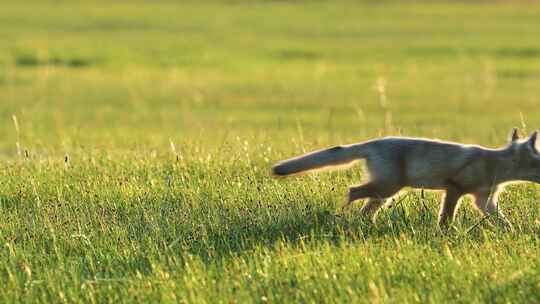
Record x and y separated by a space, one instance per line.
397 162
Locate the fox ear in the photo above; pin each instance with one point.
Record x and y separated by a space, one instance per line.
532 140
515 136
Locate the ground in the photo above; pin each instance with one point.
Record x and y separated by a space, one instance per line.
137 138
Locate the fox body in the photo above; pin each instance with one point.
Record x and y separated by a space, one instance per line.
397 162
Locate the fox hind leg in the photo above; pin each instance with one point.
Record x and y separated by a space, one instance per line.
377 192
449 206
359 192
373 189
369 210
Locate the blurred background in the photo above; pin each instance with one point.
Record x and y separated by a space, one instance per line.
128 75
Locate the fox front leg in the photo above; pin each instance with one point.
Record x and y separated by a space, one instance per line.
487 203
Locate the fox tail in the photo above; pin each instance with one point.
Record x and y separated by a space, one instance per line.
320 159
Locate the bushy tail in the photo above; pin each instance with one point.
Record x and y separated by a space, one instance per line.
339 155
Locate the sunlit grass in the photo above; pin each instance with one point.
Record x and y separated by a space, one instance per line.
136 149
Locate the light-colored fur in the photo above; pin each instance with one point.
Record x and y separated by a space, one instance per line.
397 162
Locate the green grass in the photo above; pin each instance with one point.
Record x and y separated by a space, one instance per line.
137 168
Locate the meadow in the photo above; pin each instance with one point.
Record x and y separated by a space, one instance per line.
137 139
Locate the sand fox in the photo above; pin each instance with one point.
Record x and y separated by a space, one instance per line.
397 162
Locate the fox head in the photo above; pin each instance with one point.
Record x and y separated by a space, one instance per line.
525 157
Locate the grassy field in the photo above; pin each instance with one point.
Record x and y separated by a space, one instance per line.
137 139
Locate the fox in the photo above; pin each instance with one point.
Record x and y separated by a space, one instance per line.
394 163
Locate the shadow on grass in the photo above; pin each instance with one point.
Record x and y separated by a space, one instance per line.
307 227
414 221
451 51
161 226
518 74
30 60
